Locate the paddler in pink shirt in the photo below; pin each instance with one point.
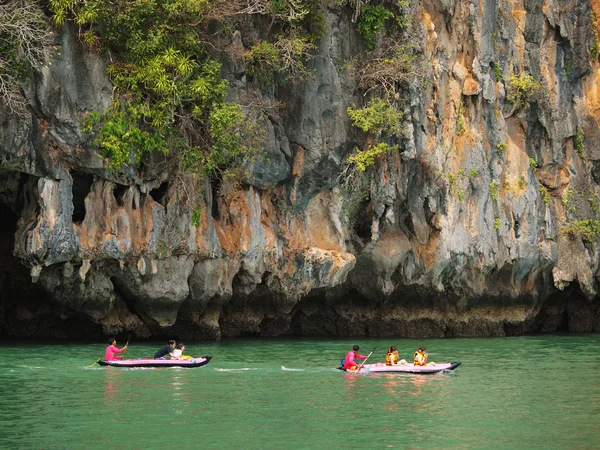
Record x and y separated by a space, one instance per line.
112 349
349 362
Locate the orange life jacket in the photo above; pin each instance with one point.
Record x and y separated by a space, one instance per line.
391 358
419 359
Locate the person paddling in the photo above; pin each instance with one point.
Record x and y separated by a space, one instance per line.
349 362
165 350
112 349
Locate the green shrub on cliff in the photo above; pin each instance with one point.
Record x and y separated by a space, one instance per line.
286 56
522 89
587 229
378 117
545 195
233 139
370 22
121 137
171 89
579 146
363 159
493 190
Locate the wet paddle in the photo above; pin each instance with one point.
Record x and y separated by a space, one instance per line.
363 363
126 346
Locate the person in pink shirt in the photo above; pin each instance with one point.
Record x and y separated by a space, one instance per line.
349 362
112 349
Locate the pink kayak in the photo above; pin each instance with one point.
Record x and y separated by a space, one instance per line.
409 368
145 362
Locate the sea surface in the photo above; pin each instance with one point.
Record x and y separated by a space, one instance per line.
534 392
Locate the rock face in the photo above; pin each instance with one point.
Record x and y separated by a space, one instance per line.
460 234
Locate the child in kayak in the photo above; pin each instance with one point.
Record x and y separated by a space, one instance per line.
421 357
349 362
112 349
178 353
392 357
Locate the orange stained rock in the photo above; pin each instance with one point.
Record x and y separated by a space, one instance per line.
431 37
596 9
106 220
519 14
470 86
591 95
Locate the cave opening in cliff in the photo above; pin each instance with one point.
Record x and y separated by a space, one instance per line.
159 195
215 185
82 185
119 192
364 219
18 198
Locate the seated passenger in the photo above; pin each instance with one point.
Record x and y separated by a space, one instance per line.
421 357
391 358
178 353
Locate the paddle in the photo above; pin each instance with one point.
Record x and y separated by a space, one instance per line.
363 363
126 345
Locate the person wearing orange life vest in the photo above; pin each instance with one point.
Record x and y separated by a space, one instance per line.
392 356
421 357
349 362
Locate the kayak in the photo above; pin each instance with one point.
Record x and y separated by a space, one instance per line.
409 368
145 362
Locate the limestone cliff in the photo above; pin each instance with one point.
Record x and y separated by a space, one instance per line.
463 230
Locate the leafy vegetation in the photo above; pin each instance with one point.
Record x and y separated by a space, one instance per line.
522 89
196 216
533 164
497 71
545 195
370 22
285 56
170 93
579 148
497 223
363 159
378 117
501 147
587 229
522 182
493 190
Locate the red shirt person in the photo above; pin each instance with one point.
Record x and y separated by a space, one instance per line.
112 349
349 362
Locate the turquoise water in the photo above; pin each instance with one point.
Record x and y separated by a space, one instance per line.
525 392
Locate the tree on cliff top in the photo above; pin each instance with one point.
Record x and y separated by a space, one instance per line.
24 36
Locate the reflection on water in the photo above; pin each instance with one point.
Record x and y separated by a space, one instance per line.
111 383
